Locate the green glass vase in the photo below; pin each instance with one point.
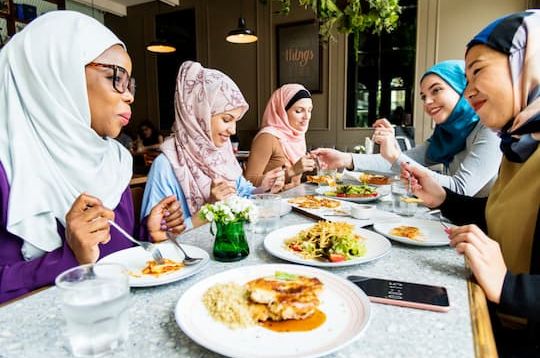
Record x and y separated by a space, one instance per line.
230 242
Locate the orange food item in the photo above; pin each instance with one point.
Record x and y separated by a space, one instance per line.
314 202
410 232
155 269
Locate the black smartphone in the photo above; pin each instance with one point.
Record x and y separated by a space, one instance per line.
406 294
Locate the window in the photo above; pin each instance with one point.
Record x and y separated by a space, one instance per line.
380 82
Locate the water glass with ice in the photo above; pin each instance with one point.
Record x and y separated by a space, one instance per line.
94 300
268 210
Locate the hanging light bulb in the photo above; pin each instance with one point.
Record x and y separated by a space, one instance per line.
241 35
159 46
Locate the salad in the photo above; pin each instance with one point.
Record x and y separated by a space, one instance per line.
328 241
353 191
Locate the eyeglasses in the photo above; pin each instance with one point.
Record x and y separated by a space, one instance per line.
121 79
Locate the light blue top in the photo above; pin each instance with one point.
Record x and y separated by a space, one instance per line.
162 182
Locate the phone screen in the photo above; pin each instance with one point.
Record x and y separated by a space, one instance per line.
406 292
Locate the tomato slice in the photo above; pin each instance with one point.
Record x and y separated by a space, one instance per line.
336 258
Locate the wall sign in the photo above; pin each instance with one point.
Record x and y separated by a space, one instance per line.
299 54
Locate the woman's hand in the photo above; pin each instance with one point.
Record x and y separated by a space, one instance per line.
86 227
273 181
423 185
165 217
304 164
484 257
333 159
385 136
221 189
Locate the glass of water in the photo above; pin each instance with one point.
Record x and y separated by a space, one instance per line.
268 210
94 301
399 203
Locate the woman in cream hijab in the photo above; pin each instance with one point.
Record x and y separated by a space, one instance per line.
65 91
503 248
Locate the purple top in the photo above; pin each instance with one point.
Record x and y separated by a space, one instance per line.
18 276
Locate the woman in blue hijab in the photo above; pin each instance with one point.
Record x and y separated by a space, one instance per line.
466 148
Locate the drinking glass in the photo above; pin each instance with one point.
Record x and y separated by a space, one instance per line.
94 300
401 207
268 210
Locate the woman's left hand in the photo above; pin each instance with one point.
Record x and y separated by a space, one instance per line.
165 217
484 256
273 181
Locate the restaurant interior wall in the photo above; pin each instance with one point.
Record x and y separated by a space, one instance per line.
443 28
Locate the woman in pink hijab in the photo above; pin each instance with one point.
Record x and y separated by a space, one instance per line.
281 142
198 164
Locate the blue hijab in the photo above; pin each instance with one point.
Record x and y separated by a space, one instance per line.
449 138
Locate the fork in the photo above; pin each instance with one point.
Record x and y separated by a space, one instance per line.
148 246
188 260
443 224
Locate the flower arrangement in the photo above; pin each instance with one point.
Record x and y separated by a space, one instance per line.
232 209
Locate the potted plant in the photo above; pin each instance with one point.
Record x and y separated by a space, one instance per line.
228 217
351 16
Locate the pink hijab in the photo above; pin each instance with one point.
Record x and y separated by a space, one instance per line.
196 161
276 123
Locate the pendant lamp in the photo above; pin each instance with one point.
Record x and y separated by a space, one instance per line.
241 35
159 45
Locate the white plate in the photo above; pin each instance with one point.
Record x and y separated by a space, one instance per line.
135 258
322 190
347 311
432 231
376 246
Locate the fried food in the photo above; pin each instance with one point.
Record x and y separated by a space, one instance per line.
321 179
314 202
155 269
374 179
283 296
410 200
410 232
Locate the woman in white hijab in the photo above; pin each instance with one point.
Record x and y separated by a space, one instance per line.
65 91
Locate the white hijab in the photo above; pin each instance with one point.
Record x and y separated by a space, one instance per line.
47 147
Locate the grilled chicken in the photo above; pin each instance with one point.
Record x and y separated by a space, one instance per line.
281 299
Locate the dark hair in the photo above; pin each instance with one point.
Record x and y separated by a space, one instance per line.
154 137
299 95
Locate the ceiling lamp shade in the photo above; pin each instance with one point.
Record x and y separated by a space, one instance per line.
160 47
241 35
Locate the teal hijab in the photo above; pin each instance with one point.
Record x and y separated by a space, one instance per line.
449 138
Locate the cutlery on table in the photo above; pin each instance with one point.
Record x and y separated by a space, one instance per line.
188 260
439 215
148 246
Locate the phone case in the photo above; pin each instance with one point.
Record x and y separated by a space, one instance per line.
409 304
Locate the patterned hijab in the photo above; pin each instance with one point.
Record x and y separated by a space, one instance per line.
450 137
196 161
276 122
48 149
516 36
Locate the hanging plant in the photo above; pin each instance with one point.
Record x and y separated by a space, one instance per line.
351 16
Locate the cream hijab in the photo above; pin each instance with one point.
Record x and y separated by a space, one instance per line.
47 147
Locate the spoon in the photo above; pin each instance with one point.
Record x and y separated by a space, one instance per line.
188 260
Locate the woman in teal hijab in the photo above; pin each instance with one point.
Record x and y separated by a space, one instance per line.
467 150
